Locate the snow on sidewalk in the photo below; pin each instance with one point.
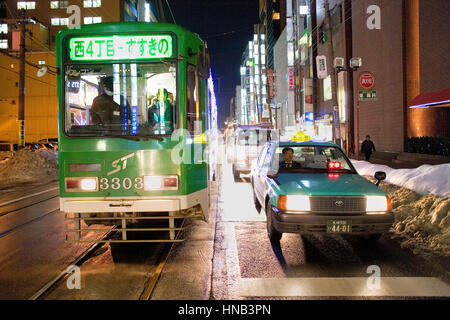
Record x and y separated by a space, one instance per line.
424 180
28 166
420 204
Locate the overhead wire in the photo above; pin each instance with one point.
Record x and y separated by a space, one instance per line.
28 76
171 13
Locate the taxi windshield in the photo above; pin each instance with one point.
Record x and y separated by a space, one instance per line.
123 99
311 159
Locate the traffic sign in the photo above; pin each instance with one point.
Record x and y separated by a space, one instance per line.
367 80
367 95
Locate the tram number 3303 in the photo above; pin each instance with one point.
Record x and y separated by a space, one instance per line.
125 183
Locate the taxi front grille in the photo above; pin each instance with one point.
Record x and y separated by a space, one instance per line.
338 204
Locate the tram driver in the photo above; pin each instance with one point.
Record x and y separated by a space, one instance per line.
105 110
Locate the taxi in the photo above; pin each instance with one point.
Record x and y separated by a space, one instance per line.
312 188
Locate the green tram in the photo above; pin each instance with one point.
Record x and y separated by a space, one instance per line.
134 107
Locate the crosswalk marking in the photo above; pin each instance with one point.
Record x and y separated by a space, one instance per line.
343 287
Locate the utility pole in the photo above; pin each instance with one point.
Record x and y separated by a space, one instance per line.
161 9
21 115
21 23
330 59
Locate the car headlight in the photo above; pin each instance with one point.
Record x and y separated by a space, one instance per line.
294 203
378 204
160 183
81 184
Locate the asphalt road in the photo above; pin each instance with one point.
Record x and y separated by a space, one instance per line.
248 266
231 255
33 252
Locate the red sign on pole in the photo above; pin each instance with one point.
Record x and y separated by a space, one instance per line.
367 80
291 79
270 81
309 99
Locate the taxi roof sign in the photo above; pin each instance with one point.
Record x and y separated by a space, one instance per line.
300 136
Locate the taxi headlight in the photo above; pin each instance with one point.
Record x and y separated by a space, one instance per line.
294 203
378 204
89 184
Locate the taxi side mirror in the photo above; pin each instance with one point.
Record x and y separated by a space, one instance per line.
379 175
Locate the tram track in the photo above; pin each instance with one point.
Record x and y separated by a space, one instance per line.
150 284
17 213
162 261
84 256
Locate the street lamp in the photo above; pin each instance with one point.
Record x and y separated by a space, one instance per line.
355 63
339 64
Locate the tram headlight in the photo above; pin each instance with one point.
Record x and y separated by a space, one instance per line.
81 184
160 183
89 184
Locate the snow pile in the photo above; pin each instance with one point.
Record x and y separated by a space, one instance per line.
422 222
5 156
424 180
30 166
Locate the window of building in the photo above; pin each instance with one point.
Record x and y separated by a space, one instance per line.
60 21
129 11
326 88
92 3
336 18
41 62
3 28
27 5
4 44
91 20
59 4
147 12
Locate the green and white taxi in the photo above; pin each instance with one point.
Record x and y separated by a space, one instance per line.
312 187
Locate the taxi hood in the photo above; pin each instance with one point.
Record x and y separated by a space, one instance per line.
317 184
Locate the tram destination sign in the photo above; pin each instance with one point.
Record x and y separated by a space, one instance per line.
123 47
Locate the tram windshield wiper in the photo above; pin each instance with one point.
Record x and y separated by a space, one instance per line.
139 137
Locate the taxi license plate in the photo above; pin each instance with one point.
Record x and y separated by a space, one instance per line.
339 226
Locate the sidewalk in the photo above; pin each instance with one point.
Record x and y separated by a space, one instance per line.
404 160
187 274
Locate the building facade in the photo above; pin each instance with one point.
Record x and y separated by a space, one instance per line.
400 91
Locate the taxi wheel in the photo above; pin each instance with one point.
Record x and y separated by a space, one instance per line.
274 235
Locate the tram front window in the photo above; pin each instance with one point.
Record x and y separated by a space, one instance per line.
120 99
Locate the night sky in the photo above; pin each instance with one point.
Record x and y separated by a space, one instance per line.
227 26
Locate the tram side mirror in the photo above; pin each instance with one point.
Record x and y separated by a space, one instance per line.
203 63
379 175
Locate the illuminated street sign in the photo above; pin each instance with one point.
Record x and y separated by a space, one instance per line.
128 47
